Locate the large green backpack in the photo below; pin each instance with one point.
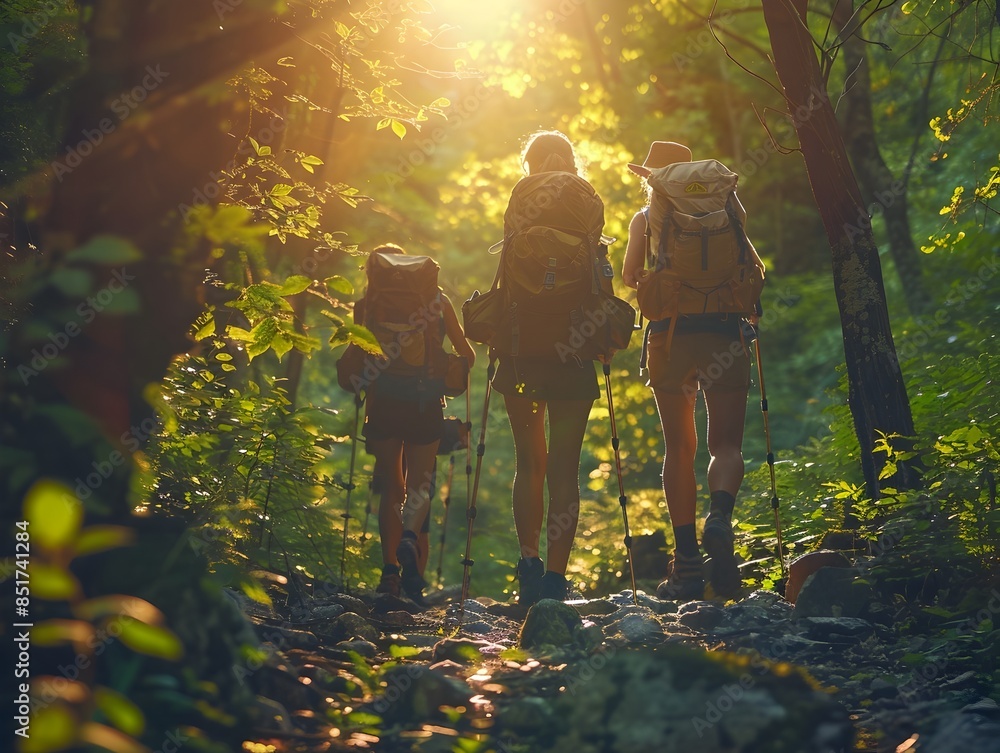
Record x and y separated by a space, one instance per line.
552 296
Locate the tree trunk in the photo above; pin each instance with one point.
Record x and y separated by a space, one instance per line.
876 392
882 190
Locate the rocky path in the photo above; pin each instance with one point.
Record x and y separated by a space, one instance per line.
834 673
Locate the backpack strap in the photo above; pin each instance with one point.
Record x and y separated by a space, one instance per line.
649 241
741 237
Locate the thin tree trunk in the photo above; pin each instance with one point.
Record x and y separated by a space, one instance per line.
881 188
876 392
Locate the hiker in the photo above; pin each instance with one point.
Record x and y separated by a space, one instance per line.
403 428
688 352
532 387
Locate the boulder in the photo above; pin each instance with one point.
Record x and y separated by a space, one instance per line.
350 625
833 592
550 623
802 567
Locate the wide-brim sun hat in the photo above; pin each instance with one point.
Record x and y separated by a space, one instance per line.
661 154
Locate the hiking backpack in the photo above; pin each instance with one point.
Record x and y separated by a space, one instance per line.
552 295
402 307
699 257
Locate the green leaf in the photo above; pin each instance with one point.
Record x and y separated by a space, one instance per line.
54 514
110 739
124 301
309 159
52 582
53 728
73 282
151 640
441 102
340 286
238 333
281 345
105 249
402 652
101 538
263 335
295 284
362 337
253 590
206 328
398 128
60 632
120 711
281 189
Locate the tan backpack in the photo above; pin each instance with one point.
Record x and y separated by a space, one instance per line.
699 258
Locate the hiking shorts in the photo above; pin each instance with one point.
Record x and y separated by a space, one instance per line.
407 420
544 380
698 360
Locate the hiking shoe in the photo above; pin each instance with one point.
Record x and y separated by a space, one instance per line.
717 539
412 581
554 586
389 583
529 575
685 582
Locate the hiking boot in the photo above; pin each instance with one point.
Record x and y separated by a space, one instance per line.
412 581
717 539
389 583
529 575
554 586
685 582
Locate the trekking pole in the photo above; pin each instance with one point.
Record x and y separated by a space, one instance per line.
622 499
444 521
770 454
346 515
470 513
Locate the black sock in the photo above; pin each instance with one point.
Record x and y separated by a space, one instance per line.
390 569
722 504
686 540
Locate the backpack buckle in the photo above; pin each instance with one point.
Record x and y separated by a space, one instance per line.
550 280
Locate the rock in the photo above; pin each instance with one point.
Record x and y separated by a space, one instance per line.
350 625
880 688
837 629
985 707
463 650
398 619
960 732
833 592
362 648
350 604
527 715
283 638
271 715
802 567
479 627
624 599
649 556
550 623
415 693
594 607
674 698
636 628
328 612
701 615
388 603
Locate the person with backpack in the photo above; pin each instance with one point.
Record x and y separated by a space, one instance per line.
542 370
410 316
698 279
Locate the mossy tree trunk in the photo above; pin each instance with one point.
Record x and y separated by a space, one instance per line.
876 391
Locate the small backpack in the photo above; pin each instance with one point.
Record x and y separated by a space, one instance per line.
552 295
402 307
699 256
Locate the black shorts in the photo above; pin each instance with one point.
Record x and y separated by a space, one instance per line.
410 421
544 380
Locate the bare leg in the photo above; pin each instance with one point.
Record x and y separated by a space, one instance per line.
527 423
419 477
388 481
681 442
726 417
567 425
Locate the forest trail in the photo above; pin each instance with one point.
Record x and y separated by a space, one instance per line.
374 672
